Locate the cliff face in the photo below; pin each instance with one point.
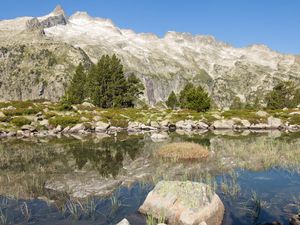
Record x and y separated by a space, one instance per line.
163 64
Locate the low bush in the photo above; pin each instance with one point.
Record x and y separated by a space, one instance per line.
295 120
64 121
20 121
5 119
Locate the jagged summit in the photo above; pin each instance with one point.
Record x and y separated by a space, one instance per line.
58 10
165 64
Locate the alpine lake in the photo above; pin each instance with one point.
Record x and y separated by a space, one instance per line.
96 179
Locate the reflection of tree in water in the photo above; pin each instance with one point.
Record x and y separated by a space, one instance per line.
106 156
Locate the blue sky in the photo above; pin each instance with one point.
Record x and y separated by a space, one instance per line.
275 23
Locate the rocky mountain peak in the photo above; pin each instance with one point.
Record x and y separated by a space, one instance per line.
58 11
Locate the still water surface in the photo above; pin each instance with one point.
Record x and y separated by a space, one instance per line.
257 177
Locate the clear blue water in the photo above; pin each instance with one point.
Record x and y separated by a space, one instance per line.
264 194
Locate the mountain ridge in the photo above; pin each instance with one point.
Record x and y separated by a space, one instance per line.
167 63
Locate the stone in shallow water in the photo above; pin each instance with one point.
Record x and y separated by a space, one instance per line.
123 222
156 137
185 203
295 220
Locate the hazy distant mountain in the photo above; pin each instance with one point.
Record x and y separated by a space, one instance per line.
163 64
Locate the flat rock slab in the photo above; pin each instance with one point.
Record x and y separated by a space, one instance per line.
184 203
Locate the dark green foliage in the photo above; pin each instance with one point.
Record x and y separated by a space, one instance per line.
194 98
183 94
134 90
64 121
284 95
20 121
236 103
75 93
108 87
172 101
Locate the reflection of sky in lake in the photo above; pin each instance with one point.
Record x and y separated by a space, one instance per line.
265 195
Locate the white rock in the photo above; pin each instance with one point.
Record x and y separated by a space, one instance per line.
101 127
185 125
202 125
294 113
274 123
157 137
259 126
2 114
44 122
77 128
154 124
123 222
66 129
223 124
262 113
87 104
164 123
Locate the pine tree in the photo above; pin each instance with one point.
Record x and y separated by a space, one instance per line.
134 90
108 87
198 99
236 103
183 94
76 93
284 94
172 101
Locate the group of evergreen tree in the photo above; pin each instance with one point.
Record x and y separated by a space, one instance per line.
284 95
191 97
105 85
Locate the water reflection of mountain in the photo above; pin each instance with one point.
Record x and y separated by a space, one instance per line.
106 156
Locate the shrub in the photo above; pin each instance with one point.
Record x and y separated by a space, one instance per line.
5 119
76 92
194 98
64 121
172 101
284 95
20 121
108 87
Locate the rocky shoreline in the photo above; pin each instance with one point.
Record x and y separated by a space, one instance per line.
30 119
159 128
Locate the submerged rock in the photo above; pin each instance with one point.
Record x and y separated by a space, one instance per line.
123 222
223 124
156 137
295 220
184 203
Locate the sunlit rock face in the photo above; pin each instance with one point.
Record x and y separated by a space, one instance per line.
168 63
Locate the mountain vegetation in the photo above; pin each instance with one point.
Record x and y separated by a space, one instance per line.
105 85
284 95
172 101
191 97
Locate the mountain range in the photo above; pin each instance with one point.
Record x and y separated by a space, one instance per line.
39 55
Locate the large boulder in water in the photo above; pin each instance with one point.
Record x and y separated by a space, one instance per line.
295 220
184 203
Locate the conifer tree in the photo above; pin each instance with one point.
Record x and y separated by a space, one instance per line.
108 87
183 94
284 94
194 98
172 101
75 93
